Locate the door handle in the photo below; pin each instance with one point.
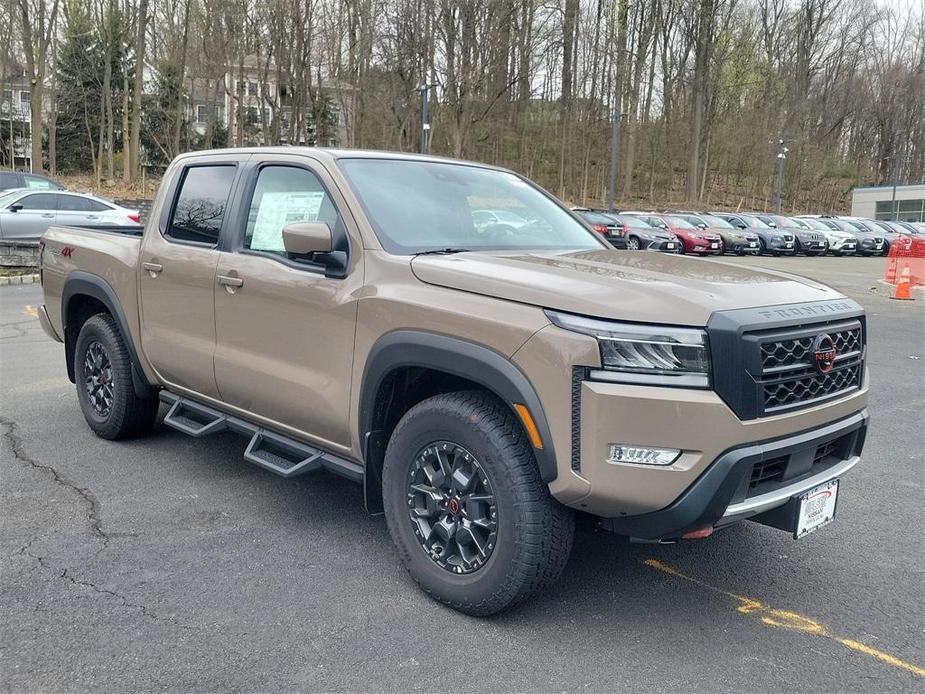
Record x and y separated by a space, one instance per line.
228 281
153 268
48 216
93 216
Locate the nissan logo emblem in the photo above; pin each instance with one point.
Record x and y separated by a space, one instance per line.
824 353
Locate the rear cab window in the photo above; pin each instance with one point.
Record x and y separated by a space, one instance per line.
201 204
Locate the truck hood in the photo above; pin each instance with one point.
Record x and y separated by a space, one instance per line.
623 285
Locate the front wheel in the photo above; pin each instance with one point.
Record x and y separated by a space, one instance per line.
103 373
471 518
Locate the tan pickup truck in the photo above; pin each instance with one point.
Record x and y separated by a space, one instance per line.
456 340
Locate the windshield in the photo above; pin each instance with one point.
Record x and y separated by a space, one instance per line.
860 226
633 222
506 216
417 206
754 221
8 198
717 222
682 223
817 224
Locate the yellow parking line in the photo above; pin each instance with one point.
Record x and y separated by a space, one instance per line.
30 310
788 620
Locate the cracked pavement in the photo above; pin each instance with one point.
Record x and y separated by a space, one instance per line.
168 563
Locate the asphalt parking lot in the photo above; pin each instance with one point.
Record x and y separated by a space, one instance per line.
168 563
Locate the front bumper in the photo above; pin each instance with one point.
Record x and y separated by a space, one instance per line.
727 491
665 245
844 247
813 246
706 247
744 246
781 246
870 247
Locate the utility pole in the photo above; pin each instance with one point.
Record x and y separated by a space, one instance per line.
614 148
425 117
781 157
897 169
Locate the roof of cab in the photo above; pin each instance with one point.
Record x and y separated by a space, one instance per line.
332 154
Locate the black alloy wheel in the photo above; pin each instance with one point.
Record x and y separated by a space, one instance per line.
98 378
451 507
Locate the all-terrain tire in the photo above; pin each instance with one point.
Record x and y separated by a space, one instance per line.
534 532
127 415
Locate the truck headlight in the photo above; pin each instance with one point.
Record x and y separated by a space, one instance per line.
644 354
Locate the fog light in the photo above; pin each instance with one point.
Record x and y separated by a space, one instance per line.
641 455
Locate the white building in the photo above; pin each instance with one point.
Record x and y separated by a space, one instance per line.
876 202
260 94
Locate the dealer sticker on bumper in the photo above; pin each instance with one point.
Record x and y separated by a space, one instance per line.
817 508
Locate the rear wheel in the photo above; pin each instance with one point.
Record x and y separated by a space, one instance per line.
632 244
474 524
103 372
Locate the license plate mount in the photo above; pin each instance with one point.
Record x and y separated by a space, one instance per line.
816 508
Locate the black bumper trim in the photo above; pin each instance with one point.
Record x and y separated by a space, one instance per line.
706 500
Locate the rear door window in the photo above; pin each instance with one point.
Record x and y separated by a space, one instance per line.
74 203
201 204
39 201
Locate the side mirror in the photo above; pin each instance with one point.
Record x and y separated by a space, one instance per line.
302 238
15 207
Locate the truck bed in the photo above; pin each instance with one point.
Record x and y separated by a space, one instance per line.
110 253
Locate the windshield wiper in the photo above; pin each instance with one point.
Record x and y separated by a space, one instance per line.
442 251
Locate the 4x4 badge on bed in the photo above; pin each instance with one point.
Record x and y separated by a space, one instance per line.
824 353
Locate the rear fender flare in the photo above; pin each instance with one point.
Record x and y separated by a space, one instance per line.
80 283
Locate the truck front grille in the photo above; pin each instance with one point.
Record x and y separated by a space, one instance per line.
788 377
784 394
799 351
764 365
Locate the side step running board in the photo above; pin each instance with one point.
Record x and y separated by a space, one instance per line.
279 454
283 456
194 419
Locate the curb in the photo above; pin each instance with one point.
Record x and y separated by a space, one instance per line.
19 279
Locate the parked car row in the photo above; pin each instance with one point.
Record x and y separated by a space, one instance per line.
715 233
29 204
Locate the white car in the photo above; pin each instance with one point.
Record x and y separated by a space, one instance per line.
840 242
25 214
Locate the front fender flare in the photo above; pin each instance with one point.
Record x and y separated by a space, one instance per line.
485 366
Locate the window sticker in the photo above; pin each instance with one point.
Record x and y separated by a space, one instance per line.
279 209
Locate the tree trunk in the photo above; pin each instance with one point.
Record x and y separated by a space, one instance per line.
135 147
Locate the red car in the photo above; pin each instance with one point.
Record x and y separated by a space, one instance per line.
693 240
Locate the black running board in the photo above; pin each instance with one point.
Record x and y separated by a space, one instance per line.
275 452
